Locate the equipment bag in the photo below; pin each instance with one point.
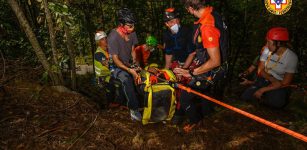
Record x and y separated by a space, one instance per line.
159 96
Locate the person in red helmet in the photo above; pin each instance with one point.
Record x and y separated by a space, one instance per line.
278 64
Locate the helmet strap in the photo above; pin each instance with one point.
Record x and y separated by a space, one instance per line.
276 47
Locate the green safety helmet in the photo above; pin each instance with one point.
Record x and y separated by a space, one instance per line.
151 41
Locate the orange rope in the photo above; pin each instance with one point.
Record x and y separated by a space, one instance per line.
249 115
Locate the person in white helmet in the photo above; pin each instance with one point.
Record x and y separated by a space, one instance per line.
101 58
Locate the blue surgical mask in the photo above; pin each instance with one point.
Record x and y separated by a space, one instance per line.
175 28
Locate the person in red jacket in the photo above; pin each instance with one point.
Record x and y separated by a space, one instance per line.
146 52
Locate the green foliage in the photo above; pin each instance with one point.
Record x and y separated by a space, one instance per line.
247 20
13 42
61 10
45 77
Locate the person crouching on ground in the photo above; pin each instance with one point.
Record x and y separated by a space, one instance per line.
277 67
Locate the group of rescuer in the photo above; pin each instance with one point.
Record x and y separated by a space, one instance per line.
198 58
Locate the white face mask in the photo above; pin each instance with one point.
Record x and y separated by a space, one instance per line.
175 28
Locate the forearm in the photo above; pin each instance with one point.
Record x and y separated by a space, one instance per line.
133 54
189 60
276 84
119 63
207 66
271 87
249 70
168 60
268 77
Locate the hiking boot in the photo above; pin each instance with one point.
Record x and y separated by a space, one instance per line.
135 115
189 127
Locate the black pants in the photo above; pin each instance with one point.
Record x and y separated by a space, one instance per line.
128 87
190 102
116 93
276 98
195 108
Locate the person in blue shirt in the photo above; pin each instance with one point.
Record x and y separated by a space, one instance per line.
178 49
177 41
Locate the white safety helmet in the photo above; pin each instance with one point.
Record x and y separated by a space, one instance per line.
100 35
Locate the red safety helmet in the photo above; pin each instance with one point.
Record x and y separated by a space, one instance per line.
169 14
278 34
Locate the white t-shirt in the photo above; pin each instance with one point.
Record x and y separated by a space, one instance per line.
287 63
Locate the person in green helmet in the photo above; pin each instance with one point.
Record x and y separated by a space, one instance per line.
148 52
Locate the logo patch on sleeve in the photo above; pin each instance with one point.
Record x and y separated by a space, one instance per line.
210 39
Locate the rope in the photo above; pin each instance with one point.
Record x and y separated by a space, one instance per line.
244 113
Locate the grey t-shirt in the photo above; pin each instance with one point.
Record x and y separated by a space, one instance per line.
118 46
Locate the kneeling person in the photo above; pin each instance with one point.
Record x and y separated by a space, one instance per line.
277 67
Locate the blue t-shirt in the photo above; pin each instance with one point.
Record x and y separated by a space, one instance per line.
179 45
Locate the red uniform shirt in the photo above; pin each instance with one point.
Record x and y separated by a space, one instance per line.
209 33
142 54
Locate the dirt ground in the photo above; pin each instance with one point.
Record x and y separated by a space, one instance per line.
33 116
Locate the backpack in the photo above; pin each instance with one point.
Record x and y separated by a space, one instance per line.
216 75
159 96
224 34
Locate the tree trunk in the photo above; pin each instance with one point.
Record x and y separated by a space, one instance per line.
151 10
53 41
33 40
71 54
90 31
239 49
29 13
71 51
